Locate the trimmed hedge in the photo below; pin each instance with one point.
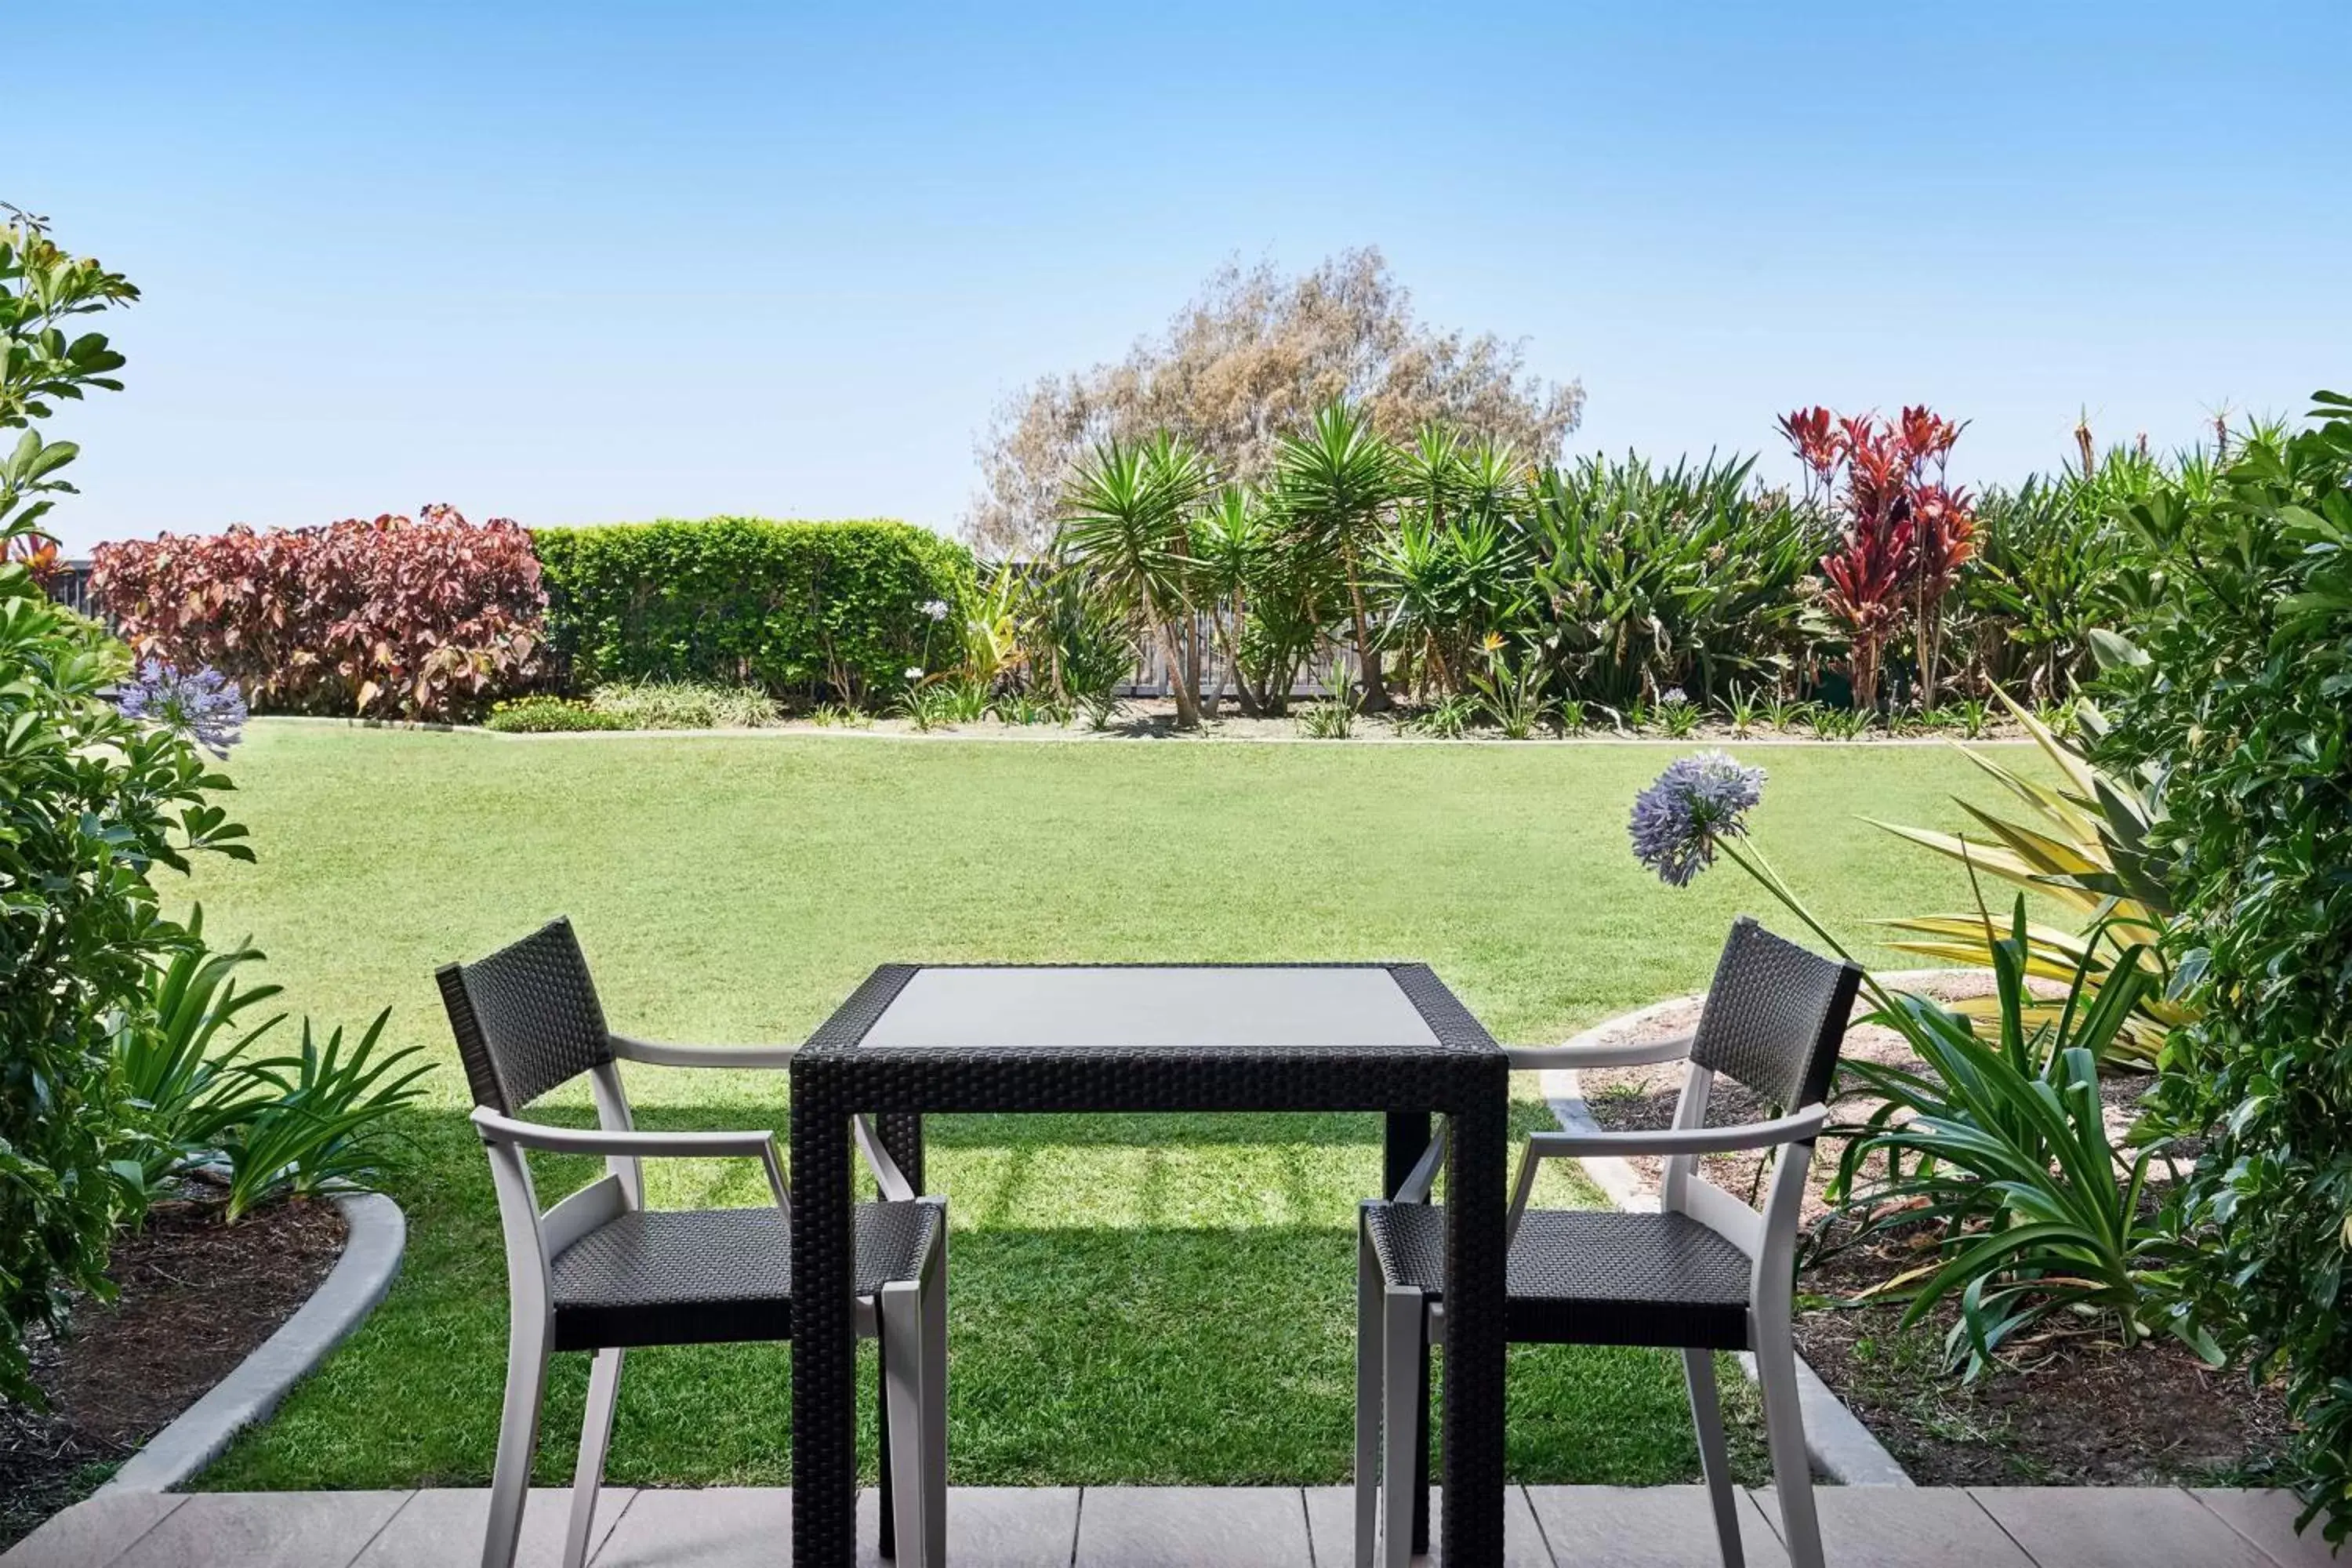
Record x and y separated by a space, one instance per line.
798 608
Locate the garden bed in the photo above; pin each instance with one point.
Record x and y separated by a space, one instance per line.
2071 1409
718 709
196 1298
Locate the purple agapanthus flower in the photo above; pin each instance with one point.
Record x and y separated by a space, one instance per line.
205 706
1698 801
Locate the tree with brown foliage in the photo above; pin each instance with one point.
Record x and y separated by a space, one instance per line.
1249 360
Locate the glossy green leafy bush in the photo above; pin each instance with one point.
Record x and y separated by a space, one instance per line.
2237 688
92 800
800 609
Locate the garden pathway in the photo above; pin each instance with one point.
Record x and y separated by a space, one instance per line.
1140 1527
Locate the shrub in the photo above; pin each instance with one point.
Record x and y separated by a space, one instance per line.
1904 532
1652 578
431 619
2240 690
542 713
680 705
90 801
807 609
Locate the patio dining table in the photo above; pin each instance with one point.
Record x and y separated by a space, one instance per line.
1386 1038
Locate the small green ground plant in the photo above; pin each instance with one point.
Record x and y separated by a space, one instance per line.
542 713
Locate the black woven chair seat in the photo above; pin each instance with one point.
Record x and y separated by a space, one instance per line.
1588 1276
657 1277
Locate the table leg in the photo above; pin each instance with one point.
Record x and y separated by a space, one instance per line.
901 1133
1407 1138
825 1343
1475 1247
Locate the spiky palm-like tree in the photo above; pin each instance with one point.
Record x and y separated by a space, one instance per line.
1126 523
1336 482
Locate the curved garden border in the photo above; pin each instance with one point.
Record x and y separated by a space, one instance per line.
377 1234
1842 1448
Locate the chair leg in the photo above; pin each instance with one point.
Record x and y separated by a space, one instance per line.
886 1545
1370 1389
595 1437
518 1441
1784 1435
1402 1352
933 1369
1715 1460
902 1361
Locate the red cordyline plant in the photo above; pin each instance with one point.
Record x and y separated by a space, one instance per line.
429 617
1905 531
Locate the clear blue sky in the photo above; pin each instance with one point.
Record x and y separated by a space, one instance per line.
587 262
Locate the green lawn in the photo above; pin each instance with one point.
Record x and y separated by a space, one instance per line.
1146 1300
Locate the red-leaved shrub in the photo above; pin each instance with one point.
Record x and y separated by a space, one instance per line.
1904 534
426 618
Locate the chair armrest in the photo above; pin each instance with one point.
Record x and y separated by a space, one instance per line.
1642 1053
654 1053
760 1146
1795 1127
496 1129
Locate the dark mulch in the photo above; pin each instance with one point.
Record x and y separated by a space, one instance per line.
2066 1409
196 1298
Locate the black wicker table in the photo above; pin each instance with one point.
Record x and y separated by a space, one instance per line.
1384 1037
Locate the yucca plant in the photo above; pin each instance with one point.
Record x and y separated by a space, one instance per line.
2081 845
319 1123
1335 484
1127 526
2005 1147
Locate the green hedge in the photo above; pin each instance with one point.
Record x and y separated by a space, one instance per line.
799 608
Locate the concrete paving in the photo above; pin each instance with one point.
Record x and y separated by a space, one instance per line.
1132 1527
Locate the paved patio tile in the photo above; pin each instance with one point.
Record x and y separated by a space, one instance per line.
710 1527
442 1526
1647 1526
996 1527
2116 1527
1191 1527
266 1530
1904 1527
93 1533
1331 1527
2267 1518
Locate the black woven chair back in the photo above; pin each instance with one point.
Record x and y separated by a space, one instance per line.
526 1017
1775 1016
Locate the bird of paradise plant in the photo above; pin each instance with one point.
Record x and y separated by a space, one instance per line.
2081 845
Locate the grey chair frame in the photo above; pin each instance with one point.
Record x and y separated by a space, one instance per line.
1396 1324
907 1316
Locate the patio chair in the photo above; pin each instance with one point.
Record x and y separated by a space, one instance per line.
1704 1273
599 1271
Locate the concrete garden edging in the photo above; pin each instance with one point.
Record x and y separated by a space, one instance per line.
377 1234
1842 1447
